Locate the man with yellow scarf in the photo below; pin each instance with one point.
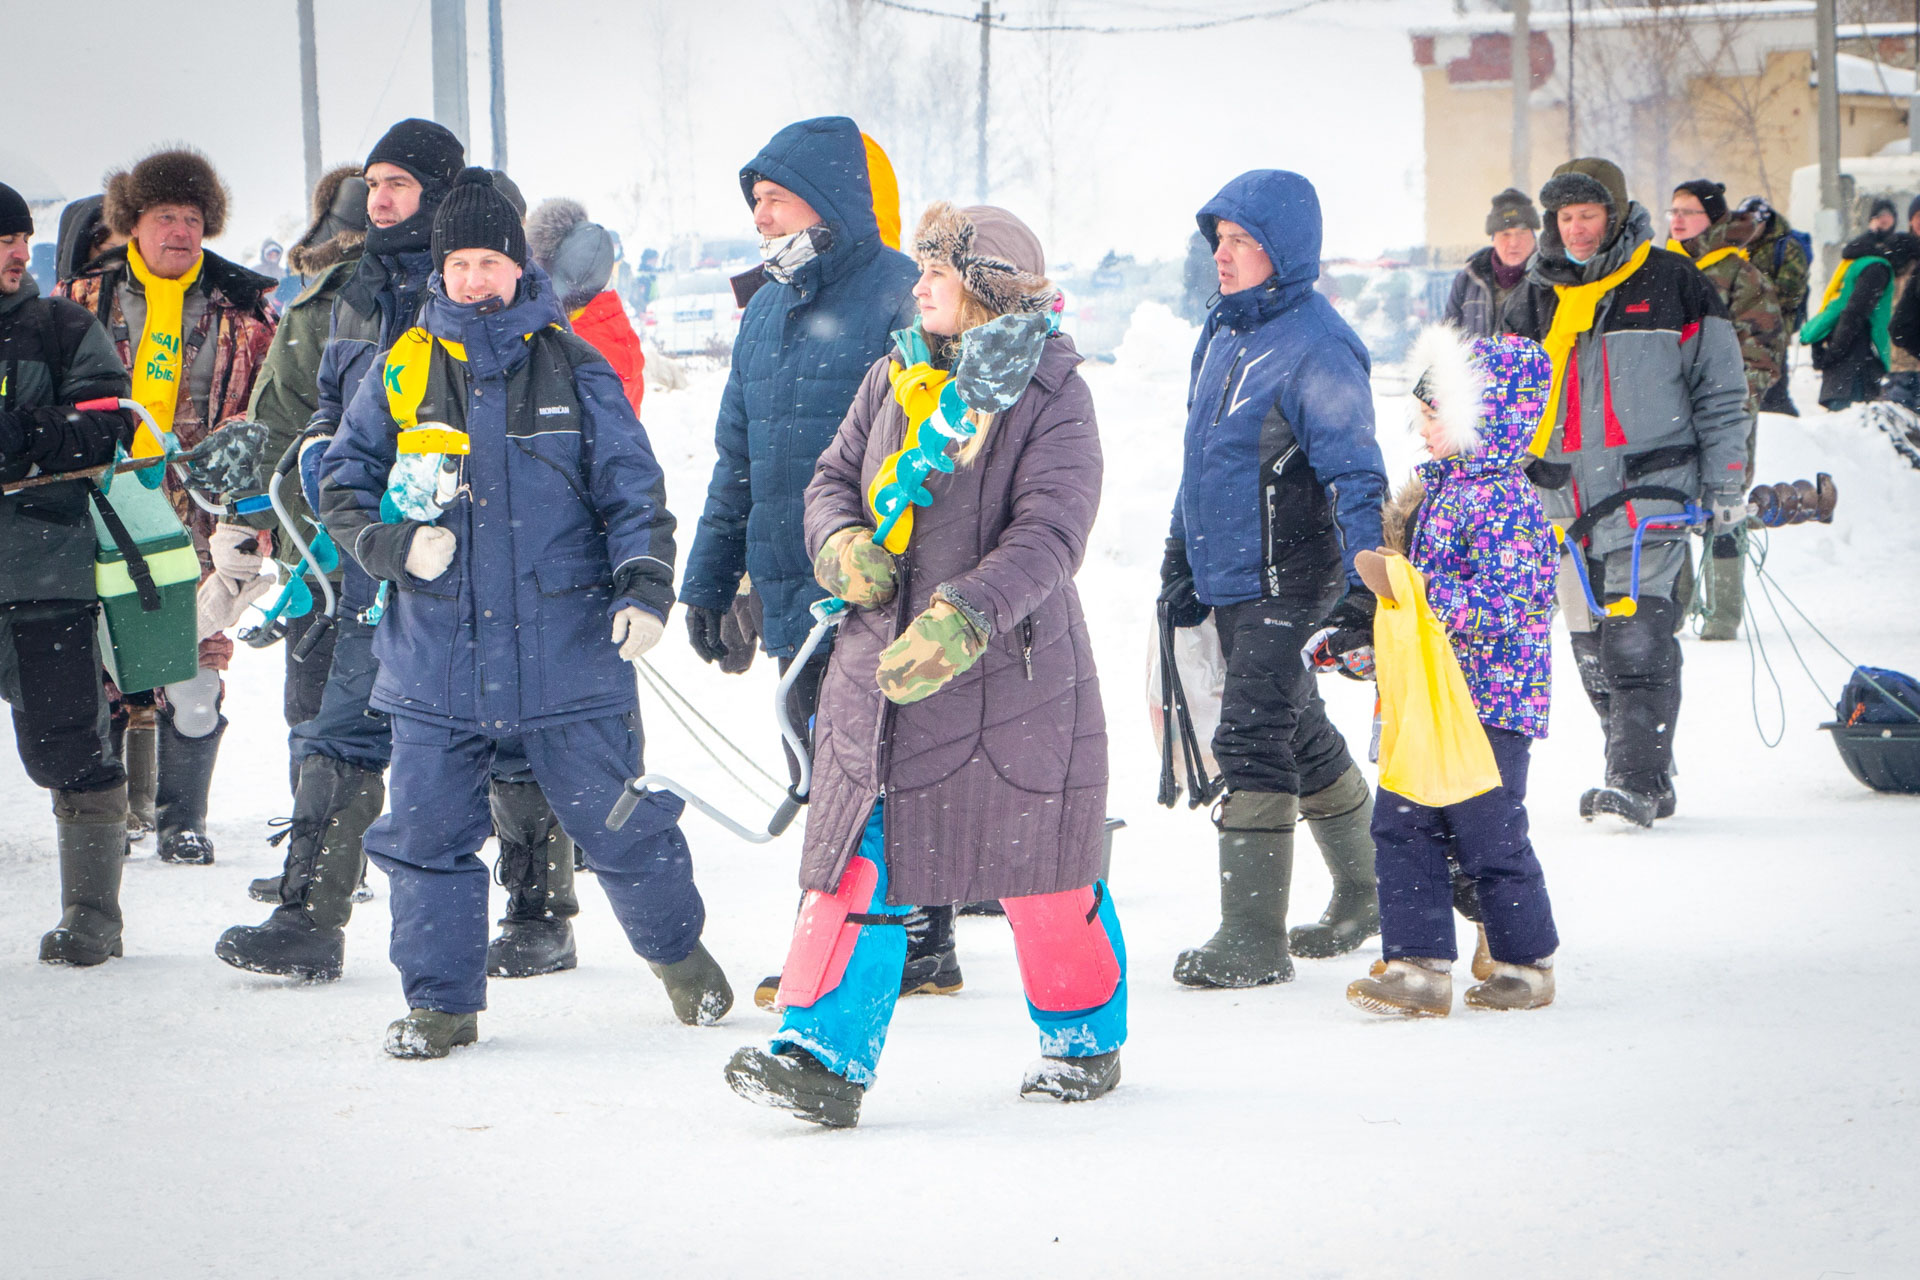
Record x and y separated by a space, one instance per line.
1648 390
192 330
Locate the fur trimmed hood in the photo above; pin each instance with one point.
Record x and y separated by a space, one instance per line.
576 252
1489 393
338 226
179 175
998 257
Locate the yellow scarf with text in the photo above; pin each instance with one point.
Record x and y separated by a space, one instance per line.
1572 317
157 370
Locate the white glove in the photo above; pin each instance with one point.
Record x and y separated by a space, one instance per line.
222 601
1729 514
636 631
430 552
236 553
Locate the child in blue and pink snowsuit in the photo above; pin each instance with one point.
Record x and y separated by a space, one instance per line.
1473 526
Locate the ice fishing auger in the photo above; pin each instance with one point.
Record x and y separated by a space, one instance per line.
827 615
1772 505
317 559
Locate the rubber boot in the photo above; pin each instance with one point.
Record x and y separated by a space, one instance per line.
429 1033
91 827
1410 988
1073 1079
1726 567
536 869
697 986
1512 987
794 1080
182 780
138 754
306 937
932 968
1341 819
1256 866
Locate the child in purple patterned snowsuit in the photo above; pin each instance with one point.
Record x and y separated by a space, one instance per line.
1474 528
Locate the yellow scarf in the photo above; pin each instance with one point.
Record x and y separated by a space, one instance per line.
157 371
1571 318
1834 285
1721 254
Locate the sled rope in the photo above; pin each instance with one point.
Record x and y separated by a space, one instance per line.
662 688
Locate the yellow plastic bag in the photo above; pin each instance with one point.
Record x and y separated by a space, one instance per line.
1433 749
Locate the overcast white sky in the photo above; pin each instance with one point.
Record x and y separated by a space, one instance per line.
646 109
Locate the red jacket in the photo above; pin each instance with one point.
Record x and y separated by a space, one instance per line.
603 322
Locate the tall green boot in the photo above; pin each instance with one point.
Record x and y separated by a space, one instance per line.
1256 866
536 869
140 755
92 831
1726 599
1341 818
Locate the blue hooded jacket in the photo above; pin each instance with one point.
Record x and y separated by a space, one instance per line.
1281 481
802 353
560 522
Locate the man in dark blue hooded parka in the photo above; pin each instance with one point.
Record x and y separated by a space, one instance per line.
830 292
1281 486
531 559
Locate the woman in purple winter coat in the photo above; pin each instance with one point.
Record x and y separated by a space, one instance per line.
1473 526
960 749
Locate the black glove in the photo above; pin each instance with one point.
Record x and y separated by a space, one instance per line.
1176 587
1352 622
703 630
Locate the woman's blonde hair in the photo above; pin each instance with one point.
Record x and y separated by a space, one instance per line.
973 313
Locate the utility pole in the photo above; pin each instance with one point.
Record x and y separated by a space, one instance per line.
1913 103
1522 71
980 113
1830 228
450 66
497 83
1573 131
309 92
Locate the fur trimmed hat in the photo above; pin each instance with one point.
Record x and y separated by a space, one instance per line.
1452 384
1588 180
998 257
577 254
179 175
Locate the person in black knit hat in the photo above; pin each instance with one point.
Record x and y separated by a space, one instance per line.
1480 292
477 215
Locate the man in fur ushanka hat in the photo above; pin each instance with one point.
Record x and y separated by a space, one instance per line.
193 331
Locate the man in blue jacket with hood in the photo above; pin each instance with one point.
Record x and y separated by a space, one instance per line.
1281 486
825 301
495 474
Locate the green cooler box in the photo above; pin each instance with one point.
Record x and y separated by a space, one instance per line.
155 641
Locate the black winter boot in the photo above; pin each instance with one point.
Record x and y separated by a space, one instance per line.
1341 819
536 869
333 805
1073 1079
1256 868
182 781
794 1080
137 753
92 831
932 968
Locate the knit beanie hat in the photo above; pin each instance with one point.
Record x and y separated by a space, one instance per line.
1711 195
424 149
1880 206
998 257
477 215
1510 209
1913 207
510 189
1588 180
1757 208
15 218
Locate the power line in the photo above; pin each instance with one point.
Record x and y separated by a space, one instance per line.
1091 29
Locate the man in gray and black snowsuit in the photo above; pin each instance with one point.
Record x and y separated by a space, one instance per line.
1650 392
54 355
1480 292
1281 487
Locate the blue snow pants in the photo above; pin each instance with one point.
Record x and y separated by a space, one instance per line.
846 1028
438 818
347 728
1487 836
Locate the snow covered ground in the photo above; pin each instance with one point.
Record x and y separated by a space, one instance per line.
1726 1086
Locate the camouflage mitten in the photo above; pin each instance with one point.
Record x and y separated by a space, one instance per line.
936 646
856 568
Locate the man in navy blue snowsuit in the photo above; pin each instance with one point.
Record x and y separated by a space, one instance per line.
551 532
1281 486
827 299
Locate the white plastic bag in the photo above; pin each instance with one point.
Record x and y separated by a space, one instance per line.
1202 669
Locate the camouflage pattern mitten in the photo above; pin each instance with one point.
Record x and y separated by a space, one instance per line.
936 646
856 568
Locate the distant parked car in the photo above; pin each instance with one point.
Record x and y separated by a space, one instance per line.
693 313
